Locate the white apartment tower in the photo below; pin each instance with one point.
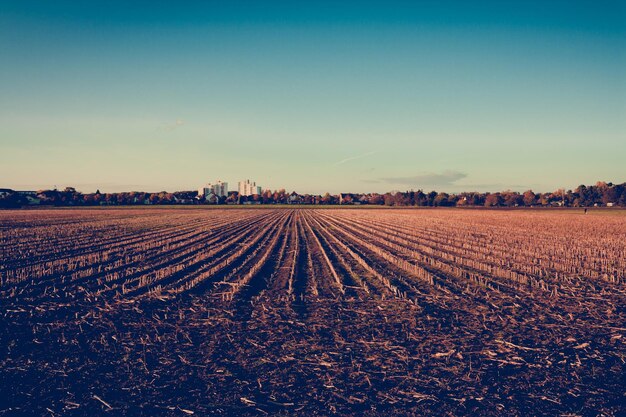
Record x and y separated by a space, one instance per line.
218 188
248 188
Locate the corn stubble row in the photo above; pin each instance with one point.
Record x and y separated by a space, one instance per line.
394 253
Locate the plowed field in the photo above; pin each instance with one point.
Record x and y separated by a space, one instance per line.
175 312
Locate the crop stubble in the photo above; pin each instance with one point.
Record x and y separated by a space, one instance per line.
311 312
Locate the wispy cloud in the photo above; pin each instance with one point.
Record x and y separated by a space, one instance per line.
352 158
429 179
169 127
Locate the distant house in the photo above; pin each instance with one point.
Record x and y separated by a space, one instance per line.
32 199
20 197
294 198
232 198
212 198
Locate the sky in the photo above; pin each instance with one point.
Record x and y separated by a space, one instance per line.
312 96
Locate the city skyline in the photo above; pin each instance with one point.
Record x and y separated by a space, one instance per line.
357 97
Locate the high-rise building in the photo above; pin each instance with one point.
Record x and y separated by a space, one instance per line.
248 188
219 188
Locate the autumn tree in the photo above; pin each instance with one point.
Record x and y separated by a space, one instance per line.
529 198
493 200
441 199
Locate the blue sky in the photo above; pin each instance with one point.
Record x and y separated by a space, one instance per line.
362 96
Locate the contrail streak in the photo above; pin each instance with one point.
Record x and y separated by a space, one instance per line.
352 158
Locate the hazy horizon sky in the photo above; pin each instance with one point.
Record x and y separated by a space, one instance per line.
357 96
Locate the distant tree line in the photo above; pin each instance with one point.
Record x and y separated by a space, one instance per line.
600 194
